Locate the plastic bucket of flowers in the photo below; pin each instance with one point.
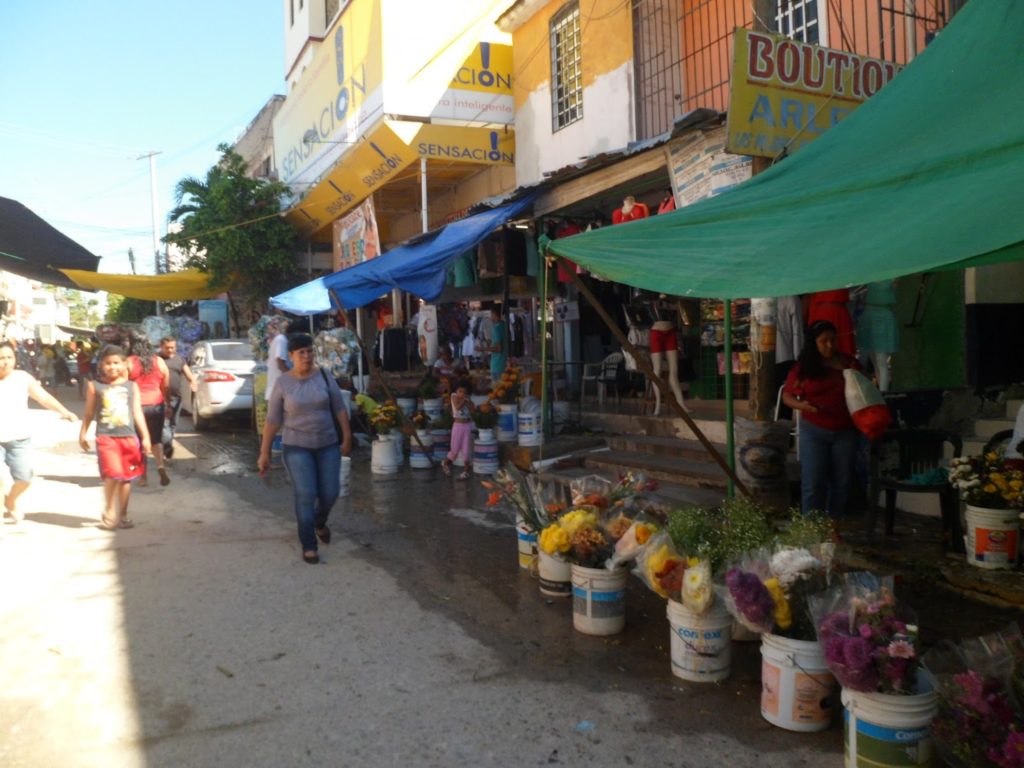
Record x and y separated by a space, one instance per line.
485 447
993 488
871 646
980 687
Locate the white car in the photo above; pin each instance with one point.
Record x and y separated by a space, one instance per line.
224 369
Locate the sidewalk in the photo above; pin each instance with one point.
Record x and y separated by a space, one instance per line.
199 637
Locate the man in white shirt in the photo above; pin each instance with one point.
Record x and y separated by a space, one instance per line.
277 359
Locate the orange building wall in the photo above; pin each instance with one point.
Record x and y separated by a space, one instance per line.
606 33
706 28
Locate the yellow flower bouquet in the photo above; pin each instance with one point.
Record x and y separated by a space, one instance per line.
577 536
988 481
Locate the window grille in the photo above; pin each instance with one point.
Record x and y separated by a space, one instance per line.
566 68
799 20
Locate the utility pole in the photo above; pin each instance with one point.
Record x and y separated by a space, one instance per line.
152 198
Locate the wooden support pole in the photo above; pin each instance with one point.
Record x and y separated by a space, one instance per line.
667 395
376 374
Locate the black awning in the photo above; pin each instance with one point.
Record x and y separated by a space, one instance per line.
32 248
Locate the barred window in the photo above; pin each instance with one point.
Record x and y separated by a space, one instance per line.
566 70
799 20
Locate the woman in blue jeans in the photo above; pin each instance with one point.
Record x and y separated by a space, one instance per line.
828 439
304 403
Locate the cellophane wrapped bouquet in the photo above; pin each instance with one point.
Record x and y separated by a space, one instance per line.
602 515
263 331
868 636
675 576
524 494
336 350
980 688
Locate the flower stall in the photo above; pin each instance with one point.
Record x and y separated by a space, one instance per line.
993 489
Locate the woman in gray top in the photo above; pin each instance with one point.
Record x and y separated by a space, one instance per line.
305 402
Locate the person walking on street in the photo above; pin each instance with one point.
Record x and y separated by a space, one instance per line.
84 360
307 404
46 367
150 373
122 438
828 438
178 368
16 386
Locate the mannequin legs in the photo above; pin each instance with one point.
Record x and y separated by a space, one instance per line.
881 364
672 356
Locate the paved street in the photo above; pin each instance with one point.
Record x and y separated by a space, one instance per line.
199 638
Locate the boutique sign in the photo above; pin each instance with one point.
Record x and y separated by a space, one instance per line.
785 93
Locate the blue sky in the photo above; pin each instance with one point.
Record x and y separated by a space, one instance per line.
86 86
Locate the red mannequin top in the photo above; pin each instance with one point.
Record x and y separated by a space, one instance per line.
637 211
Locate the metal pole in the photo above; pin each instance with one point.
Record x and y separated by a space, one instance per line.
152 199
729 446
547 424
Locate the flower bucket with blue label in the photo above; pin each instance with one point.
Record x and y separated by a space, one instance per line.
889 731
598 600
508 423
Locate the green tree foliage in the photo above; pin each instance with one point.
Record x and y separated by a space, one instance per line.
121 309
231 229
84 310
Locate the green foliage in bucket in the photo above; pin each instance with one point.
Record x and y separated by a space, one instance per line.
738 526
805 530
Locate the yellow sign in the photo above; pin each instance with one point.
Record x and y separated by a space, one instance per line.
339 96
481 90
785 93
390 148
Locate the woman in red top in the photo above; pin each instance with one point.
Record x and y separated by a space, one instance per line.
154 379
828 439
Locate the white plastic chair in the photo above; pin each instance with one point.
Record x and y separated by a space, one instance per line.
602 374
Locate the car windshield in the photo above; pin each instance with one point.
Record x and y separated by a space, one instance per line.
239 351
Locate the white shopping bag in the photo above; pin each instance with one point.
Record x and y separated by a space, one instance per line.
866 405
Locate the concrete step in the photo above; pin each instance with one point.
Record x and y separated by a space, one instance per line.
1013 407
988 427
671 494
657 426
661 446
670 469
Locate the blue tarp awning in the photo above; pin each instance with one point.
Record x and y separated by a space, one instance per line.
418 268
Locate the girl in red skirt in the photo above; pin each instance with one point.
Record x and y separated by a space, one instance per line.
115 403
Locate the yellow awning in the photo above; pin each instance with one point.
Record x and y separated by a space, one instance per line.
389 148
174 286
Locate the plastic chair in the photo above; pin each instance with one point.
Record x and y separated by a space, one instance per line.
901 455
602 374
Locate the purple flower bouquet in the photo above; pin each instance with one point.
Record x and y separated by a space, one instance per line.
868 638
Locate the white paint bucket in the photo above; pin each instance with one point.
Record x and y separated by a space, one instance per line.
527 543
700 643
344 476
508 423
797 690
555 575
598 600
407 405
382 460
887 730
432 407
530 430
420 451
442 439
485 454
993 537
398 444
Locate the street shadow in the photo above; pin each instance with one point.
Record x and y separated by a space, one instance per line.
82 481
64 521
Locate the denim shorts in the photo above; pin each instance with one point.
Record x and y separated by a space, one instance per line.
17 455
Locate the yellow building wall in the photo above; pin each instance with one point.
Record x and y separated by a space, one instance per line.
606 32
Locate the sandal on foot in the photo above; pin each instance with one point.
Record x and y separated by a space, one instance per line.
107 525
464 475
126 523
311 558
324 534
164 479
446 467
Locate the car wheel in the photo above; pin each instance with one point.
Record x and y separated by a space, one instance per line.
200 424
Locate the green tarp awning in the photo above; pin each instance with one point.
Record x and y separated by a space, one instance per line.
928 174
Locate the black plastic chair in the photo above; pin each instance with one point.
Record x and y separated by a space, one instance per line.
898 456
